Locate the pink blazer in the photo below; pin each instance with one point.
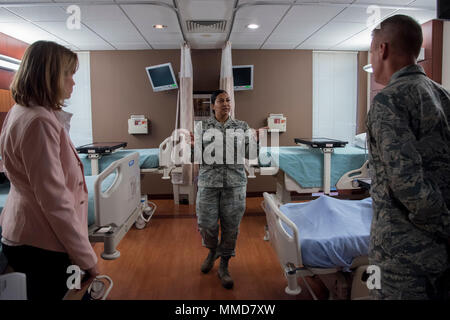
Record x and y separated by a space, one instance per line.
48 201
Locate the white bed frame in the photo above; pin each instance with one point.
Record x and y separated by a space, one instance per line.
289 255
285 184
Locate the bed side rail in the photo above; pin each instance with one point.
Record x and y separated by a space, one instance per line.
287 247
123 197
348 180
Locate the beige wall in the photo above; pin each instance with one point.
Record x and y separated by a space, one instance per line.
120 88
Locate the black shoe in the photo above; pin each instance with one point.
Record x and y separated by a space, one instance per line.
224 275
208 264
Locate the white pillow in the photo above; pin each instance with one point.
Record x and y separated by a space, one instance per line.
360 141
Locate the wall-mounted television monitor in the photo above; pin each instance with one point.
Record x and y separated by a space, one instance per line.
443 9
162 77
243 77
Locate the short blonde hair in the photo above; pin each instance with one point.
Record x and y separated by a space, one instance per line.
40 78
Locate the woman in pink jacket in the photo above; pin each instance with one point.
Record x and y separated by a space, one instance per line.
44 221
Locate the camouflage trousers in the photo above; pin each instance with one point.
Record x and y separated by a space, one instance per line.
226 205
406 286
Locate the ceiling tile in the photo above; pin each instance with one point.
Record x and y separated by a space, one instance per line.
332 34
44 13
301 22
144 17
6 16
29 33
81 38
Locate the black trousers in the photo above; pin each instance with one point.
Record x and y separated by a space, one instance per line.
46 271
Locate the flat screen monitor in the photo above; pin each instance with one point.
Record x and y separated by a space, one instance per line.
162 77
443 9
243 77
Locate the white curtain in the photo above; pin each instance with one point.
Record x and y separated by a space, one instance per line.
186 91
226 75
186 103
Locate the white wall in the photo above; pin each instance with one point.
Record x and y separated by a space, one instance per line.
446 56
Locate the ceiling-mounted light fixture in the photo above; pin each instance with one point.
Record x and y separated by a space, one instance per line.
368 68
9 63
159 26
253 26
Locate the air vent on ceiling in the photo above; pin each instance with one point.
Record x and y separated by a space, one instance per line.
206 26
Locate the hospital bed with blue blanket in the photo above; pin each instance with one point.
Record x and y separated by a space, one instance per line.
312 167
325 237
114 203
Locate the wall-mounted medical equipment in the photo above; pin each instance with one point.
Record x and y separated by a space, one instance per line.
162 77
202 106
138 124
243 77
276 122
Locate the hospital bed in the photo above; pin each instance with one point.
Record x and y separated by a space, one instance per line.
114 203
327 238
317 165
163 160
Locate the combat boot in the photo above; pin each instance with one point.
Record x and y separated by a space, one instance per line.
223 273
208 264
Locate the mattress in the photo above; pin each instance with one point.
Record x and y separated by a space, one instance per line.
332 232
305 165
148 159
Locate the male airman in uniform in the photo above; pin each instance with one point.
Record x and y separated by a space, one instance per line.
409 158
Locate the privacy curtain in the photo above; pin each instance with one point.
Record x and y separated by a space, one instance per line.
226 75
186 102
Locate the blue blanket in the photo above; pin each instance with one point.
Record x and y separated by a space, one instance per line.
332 232
305 165
148 159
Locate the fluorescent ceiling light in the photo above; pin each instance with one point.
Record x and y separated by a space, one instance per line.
159 26
9 63
368 68
253 26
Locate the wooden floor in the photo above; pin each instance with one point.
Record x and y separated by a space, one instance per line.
163 261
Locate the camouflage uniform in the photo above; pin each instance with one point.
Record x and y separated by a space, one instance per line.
221 188
409 144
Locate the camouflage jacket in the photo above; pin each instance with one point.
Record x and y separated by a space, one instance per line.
216 171
409 160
